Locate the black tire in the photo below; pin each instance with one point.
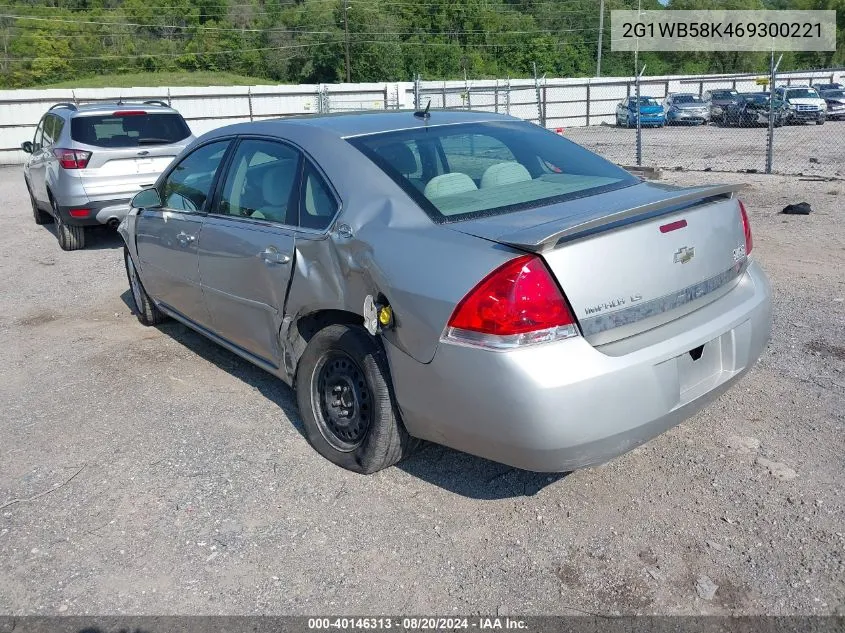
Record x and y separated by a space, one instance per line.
820 121
40 217
145 309
71 238
346 401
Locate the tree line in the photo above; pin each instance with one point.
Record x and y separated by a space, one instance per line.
306 41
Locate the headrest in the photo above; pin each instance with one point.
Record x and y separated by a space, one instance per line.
448 185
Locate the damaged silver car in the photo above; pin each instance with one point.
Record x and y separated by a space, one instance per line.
464 278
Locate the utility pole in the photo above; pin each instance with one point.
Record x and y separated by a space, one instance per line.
346 32
601 33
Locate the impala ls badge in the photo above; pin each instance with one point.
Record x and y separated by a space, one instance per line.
684 254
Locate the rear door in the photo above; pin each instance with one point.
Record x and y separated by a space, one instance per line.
167 237
129 149
247 246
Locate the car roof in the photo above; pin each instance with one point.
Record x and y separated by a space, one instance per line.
349 124
106 107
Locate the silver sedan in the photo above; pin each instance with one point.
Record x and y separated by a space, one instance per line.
464 278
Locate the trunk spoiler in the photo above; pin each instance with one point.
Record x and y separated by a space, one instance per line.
547 235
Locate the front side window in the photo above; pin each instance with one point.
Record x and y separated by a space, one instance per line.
492 168
188 186
260 182
39 135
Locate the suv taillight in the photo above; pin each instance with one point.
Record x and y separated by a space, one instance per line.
746 228
72 158
517 304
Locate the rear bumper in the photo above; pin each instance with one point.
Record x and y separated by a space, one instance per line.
568 405
100 212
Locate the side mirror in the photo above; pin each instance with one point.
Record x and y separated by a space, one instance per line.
146 199
27 147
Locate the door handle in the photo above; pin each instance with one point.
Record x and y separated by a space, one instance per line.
271 255
184 239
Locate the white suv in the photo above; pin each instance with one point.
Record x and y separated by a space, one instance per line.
803 104
87 161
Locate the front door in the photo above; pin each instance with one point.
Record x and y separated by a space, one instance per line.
167 237
247 247
37 166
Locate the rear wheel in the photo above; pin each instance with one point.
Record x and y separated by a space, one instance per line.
145 309
71 238
346 401
41 217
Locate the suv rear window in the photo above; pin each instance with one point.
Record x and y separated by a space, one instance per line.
456 172
129 130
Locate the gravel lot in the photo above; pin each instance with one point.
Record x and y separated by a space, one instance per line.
147 471
808 149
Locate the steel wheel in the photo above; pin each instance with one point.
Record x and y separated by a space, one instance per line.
345 408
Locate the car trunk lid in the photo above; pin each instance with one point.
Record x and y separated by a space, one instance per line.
632 259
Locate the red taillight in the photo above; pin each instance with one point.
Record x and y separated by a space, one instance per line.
72 158
746 227
516 304
129 113
79 213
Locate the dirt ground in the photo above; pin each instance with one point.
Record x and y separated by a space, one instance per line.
147 471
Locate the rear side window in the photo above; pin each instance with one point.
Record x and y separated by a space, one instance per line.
456 172
130 129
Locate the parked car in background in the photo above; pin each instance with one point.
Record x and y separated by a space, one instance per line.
466 278
717 100
753 109
685 107
833 86
650 112
835 101
803 104
87 161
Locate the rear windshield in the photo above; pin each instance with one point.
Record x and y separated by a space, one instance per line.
456 172
723 94
130 130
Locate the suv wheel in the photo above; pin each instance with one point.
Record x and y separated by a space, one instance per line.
40 217
346 401
71 238
820 121
145 309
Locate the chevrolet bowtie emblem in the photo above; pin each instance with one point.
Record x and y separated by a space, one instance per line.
684 254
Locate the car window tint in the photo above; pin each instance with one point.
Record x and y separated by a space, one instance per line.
39 135
492 168
49 131
129 129
473 154
189 184
318 204
260 182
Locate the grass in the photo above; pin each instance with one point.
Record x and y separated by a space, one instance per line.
155 80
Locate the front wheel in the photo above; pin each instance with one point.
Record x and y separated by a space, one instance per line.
346 402
819 121
145 309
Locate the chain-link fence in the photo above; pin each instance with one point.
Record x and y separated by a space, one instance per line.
705 123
